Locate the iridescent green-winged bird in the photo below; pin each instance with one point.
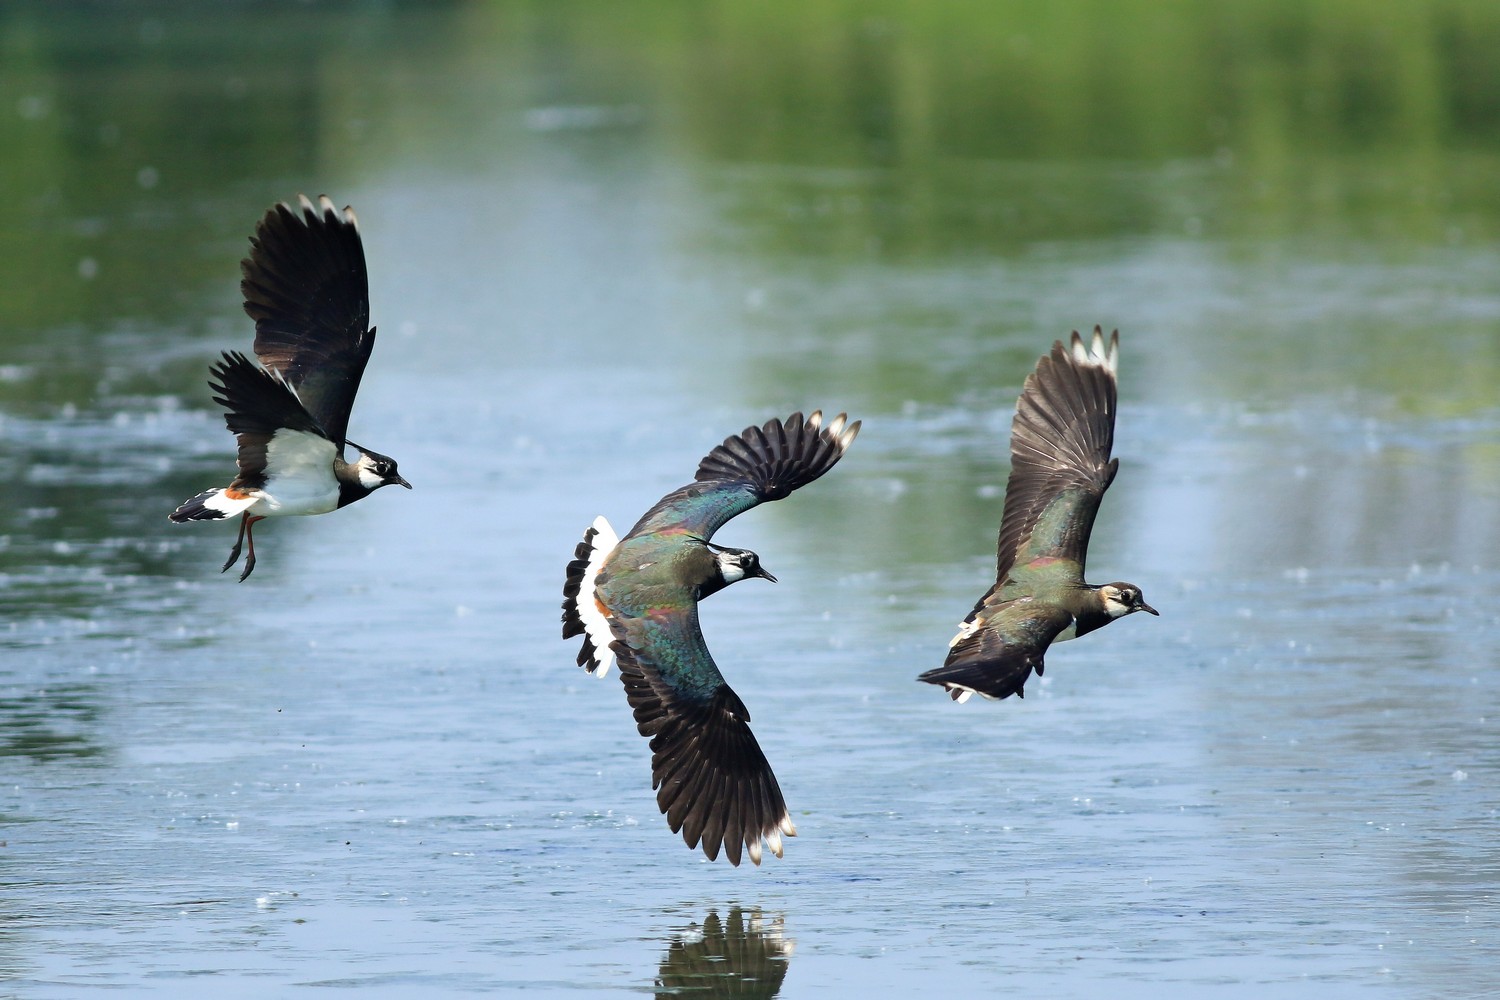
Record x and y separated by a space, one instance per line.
1060 444
635 600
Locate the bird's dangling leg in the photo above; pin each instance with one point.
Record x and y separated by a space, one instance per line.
234 553
250 541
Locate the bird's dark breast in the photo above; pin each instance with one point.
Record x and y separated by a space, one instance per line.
1087 621
695 566
712 585
350 492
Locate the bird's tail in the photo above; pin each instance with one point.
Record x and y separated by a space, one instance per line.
213 505
780 456
973 667
582 613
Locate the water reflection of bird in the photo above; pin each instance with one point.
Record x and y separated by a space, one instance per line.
1061 438
744 957
636 600
306 288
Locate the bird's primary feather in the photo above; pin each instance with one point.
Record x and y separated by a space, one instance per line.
263 413
756 466
1061 439
306 287
712 780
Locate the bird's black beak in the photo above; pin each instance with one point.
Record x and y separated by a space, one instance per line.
1143 606
760 571
398 481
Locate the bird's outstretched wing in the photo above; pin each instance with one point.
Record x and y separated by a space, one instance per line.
712 780
264 415
306 288
998 649
755 466
1060 446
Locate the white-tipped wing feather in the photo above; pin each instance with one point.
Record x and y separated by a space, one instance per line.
1097 353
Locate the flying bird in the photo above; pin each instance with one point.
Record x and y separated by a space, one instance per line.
635 600
306 288
1060 444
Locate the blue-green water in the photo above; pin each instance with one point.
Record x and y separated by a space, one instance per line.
601 241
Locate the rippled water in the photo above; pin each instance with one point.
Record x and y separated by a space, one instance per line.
374 765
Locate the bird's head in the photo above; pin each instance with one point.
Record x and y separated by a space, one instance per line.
738 564
1121 599
376 470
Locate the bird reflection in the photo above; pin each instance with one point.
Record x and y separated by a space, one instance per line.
744 956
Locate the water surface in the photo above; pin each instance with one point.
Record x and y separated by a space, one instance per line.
600 242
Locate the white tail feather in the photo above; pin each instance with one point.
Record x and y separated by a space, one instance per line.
594 621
